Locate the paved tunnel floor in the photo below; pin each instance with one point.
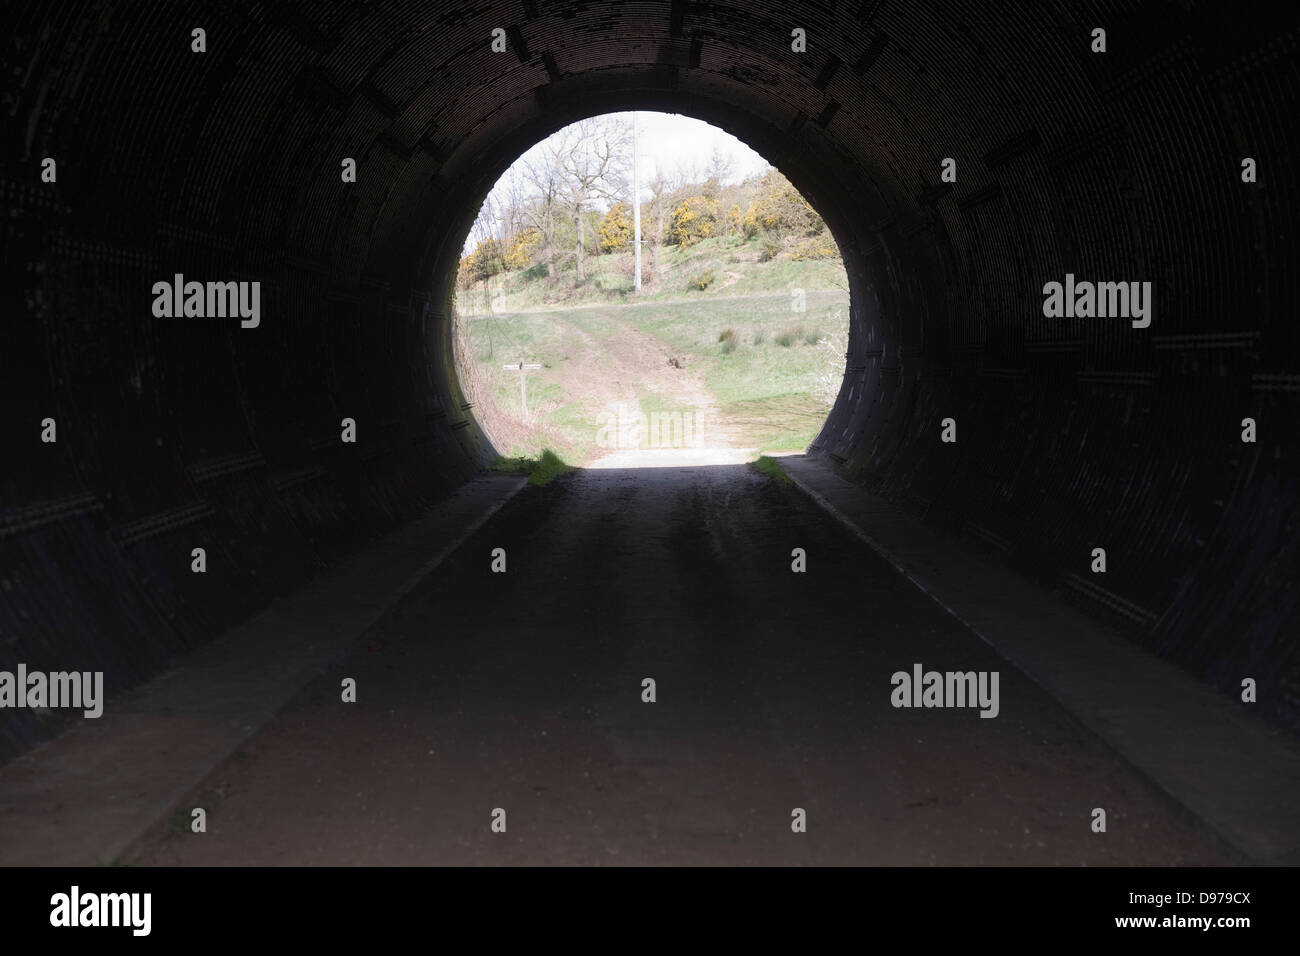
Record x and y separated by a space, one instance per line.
523 691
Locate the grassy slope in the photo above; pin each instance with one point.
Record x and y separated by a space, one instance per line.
558 420
668 272
768 390
774 396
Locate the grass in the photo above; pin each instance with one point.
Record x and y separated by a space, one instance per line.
767 390
772 469
557 418
541 471
667 425
786 422
759 338
673 268
652 402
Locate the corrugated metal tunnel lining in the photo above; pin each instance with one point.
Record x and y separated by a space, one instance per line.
1072 433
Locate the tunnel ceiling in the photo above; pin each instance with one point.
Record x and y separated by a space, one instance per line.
1072 433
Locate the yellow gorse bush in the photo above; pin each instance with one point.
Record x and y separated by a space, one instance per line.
695 218
616 228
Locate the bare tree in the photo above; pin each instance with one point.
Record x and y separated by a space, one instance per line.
591 159
659 188
535 190
718 171
666 189
487 253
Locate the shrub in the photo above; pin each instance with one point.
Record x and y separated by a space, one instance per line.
521 248
702 280
735 222
780 207
486 260
771 249
616 228
820 246
729 340
695 218
758 337
812 338
726 334
785 339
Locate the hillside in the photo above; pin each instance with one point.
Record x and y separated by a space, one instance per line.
730 266
732 365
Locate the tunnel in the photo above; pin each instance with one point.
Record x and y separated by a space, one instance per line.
965 156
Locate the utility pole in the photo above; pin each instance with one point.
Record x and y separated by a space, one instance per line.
636 213
523 394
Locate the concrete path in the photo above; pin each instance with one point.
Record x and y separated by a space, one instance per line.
1237 775
525 692
84 797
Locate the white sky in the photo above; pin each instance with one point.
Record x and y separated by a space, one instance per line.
670 141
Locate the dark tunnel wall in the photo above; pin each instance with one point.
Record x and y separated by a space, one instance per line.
176 433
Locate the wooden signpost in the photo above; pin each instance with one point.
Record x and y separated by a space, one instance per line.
523 393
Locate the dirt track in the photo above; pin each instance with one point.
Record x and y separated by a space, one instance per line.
523 691
606 376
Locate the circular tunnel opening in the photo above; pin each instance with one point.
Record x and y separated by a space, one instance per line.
838 186
708 323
